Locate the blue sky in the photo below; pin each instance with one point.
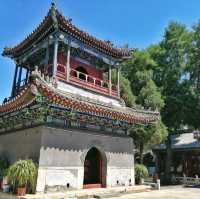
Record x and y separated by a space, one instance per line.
136 22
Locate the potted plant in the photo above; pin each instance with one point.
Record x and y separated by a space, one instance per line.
141 172
21 174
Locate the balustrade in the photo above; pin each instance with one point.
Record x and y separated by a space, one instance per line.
84 80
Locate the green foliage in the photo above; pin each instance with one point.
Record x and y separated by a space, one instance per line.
150 97
165 77
140 70
159 133
193 69
125 92
147 135
170 74
125 89
140 172
23 173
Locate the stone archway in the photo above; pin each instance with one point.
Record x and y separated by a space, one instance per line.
95 168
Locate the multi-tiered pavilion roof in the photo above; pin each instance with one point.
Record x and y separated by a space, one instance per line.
47 97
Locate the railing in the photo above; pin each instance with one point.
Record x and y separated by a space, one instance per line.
150 182
187 180
91 82
85 80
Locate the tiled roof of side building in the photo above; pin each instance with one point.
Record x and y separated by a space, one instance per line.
54 19
181 141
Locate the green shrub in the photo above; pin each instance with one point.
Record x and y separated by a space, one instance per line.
4 164
140 172
23 173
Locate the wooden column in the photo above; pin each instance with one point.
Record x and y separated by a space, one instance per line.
27 75
14 81
68 63
118 81
19 79
110 80
47 56
55 58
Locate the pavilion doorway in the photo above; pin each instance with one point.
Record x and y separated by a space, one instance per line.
94 169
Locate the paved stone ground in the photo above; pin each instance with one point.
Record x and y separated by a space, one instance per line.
81 194
171 192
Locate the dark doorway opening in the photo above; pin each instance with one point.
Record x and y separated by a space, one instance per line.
93 169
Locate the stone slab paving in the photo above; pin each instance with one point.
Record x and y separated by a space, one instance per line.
82 194
172 192
7 196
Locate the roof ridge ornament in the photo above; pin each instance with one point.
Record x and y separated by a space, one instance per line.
53 12
56 20
53 4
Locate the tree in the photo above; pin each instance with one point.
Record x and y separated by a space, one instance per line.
147 135
193 69
171 58
192 81
172 75
139 71
150 97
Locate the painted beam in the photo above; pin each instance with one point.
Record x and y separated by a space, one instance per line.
75 43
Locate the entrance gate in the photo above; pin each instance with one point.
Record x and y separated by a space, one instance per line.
93 169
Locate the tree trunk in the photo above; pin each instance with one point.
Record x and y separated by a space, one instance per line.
168 161
141 153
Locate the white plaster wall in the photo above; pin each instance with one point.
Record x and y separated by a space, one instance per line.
117 171
72 89
59 176
121 175
53 176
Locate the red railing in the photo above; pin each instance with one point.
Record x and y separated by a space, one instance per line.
85 81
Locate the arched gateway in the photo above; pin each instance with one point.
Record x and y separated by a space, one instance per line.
94 169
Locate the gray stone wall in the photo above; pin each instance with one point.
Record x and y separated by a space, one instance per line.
21 144
68 148
63 153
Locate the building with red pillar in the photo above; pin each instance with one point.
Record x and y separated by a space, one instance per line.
65 110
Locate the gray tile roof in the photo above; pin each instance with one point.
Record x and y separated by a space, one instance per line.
181 141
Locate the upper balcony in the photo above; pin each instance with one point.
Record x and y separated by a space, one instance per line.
64 63
86 81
